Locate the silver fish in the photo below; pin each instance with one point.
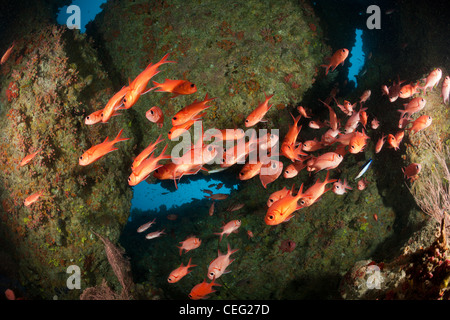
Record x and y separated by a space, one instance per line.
364 168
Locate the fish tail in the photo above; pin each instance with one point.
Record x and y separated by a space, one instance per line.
220 234
164 60
118 138
327 68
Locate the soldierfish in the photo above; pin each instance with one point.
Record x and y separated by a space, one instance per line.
7 54
218 266
338 58
228 228
28 158
260 111
33 198
277 195
202 290
153 235
145 153
408 90
139 84
413 106
143 171
155 115
432 80
446 89
316 191
189 112
145 226
339 187
421 123
96 152
411 171
282 210
113 104
358 141
380 143
177 87
180 272
189 244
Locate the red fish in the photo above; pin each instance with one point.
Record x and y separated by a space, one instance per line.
415 105
189 244
293 169
217 196
302 111
338 58
191 111
33 198
288 147
143 171
333 118
99 150
358 142
412 171
145 153
145 226
282 210
375 124
137 87
202 290
277 195
258 114
393 142
177 131
380 143
155 115
228 228
432 80
113 104
446 89
339 187
211 209
326 161
7 54
362 184
153 235
316 191
270 172
421 123
94 117
249 170
177 87
365 96
28 158
177 274
408 91
218 266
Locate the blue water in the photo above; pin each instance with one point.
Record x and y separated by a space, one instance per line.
357 58
88 9
152 196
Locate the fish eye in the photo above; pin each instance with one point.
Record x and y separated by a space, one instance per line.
417 167
129 179
87 117
246 120
151 111
239 221
271 200
343 50
169 279
124 100
353 147
192 85
287 172
81 157
190 295
336 186
241 173
302 202
174 118
401 92
170 132
270 217
211 274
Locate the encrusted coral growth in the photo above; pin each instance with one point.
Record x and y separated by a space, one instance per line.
50 95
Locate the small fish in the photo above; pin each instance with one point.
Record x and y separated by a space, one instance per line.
365 96
260 111
218 266
177 274
315 124
283 209
394 90
421 123
202 290
314 192
339 187
189 244
7 54
113 104
411 171
191 111
413 106
250 234
303 112
156 234
364 168
409 90
145 226
139 84
98 151
362 184
211 209
145 153
220 185
312 145
380 143
155 115
338 58
384 90
33 198
374 123
235 207
270 172
277 195
293 169
393 142
432 80
228 228
28 158
327 161
177 87
446 89
358 142
217 196
171 217
177 131
143 171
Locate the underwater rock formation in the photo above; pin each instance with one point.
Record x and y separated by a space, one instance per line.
58 80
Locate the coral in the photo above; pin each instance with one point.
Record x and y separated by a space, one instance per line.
12 92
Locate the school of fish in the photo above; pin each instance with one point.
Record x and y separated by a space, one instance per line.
341 139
